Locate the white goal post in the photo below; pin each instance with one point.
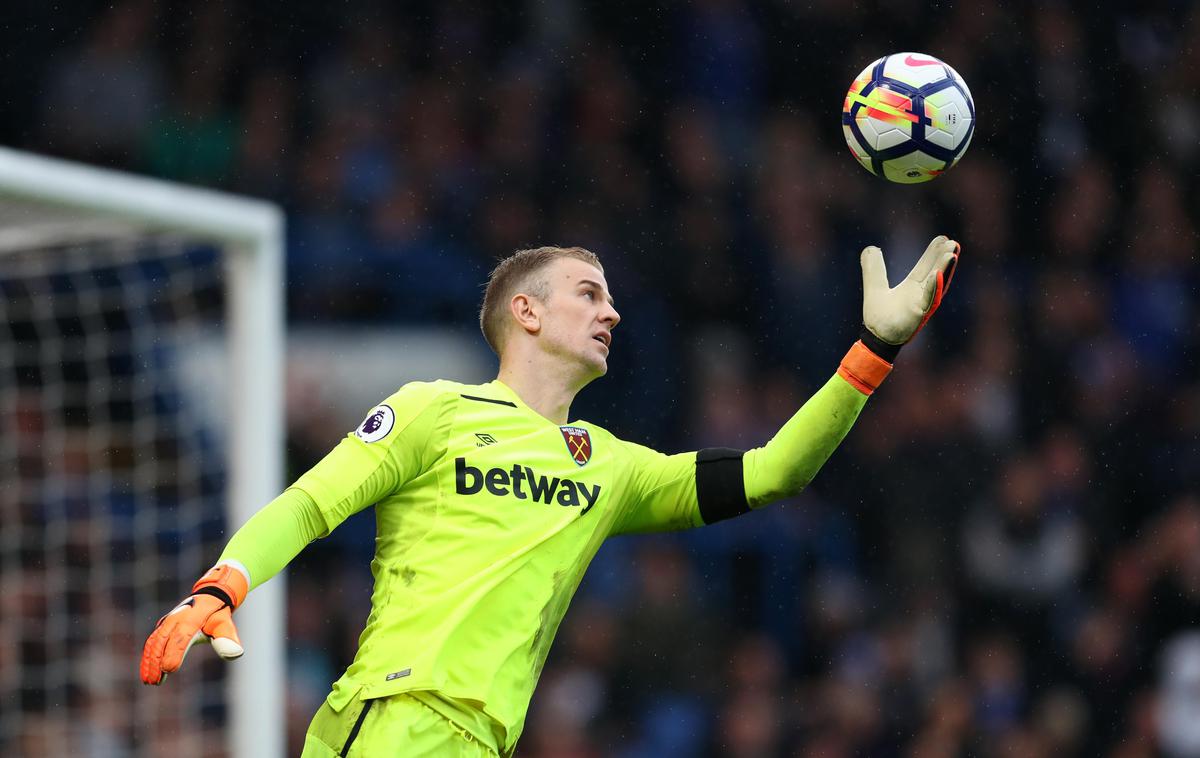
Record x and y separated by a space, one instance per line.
250 232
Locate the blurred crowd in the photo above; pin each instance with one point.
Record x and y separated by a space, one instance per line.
1004 556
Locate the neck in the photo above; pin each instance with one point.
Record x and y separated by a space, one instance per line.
543 385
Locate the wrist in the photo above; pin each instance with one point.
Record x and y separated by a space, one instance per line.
225 582
863 368
885 350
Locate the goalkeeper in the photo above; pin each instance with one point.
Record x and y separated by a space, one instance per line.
489 506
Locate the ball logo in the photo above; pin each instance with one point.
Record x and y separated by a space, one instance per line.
911 61
377 425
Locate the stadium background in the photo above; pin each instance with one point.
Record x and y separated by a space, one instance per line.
1004 557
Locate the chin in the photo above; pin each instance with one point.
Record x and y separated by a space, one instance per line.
596 366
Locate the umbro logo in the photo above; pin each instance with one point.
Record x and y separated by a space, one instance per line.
484 439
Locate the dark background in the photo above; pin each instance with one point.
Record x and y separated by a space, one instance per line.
1007 545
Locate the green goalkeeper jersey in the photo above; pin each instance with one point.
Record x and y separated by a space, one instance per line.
487 516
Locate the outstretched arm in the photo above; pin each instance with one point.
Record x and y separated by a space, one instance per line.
259 550
368 464
693 489
787 463
892 316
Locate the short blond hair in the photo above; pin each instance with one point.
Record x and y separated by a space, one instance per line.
519 273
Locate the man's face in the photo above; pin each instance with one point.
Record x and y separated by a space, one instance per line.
578 314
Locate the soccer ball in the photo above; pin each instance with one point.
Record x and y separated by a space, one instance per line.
908 117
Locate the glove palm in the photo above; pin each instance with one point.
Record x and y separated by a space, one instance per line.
895 314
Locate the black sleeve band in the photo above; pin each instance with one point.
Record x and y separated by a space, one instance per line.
217 593
884 350
720 485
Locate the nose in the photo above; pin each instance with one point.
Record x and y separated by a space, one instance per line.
610 317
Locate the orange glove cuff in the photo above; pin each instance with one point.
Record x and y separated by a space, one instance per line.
863 369
227 579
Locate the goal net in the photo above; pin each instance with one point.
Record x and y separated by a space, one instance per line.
140 423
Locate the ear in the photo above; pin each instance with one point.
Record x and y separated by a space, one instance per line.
526 312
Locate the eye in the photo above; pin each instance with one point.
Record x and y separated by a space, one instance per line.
589 294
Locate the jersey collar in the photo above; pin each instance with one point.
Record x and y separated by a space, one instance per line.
508 393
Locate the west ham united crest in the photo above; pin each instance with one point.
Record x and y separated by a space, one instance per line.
579 443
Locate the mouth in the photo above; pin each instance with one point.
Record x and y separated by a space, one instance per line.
604 338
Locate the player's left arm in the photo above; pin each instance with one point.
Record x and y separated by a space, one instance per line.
714 484
673 492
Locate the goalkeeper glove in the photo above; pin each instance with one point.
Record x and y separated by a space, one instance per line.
895 315
892 316
205 614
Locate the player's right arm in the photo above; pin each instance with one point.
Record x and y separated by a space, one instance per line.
386 451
